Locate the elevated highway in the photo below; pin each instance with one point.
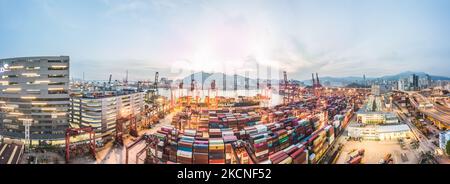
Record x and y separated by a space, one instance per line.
434 112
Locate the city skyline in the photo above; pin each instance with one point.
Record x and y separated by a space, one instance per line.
352 38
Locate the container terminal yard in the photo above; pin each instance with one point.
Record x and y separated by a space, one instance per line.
167 82
240 130
143 122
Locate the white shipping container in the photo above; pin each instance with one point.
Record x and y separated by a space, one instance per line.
266 162
262 153
288 160
184 154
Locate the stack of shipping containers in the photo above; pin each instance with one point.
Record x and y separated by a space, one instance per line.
216 151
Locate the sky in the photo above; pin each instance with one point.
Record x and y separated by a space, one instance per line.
176 37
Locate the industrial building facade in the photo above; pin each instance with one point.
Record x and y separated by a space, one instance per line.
379 132
376 122
35 90
101 113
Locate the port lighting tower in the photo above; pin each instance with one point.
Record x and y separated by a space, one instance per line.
27 124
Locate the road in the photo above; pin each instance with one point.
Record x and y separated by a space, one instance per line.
340 139
437 113
425 145
116 155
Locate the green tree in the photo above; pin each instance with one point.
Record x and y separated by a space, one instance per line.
447 148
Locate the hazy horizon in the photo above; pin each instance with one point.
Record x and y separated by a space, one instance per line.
333 38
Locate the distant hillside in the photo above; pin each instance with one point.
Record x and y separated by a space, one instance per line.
409 73
206 79
337 81
355 85
343 81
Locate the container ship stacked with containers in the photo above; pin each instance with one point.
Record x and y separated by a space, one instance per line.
287 134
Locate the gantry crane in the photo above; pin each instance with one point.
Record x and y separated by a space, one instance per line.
133 126
119 132
211 90
79 131
151 141
120 128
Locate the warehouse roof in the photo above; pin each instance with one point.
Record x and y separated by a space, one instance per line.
393 128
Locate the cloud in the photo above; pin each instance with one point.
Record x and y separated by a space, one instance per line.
300 37
61 18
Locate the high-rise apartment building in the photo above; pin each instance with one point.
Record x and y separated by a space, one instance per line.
414 82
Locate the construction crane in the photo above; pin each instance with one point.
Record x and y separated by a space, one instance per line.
79 131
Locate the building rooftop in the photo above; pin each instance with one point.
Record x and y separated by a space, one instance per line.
107 94
393 128
33 57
